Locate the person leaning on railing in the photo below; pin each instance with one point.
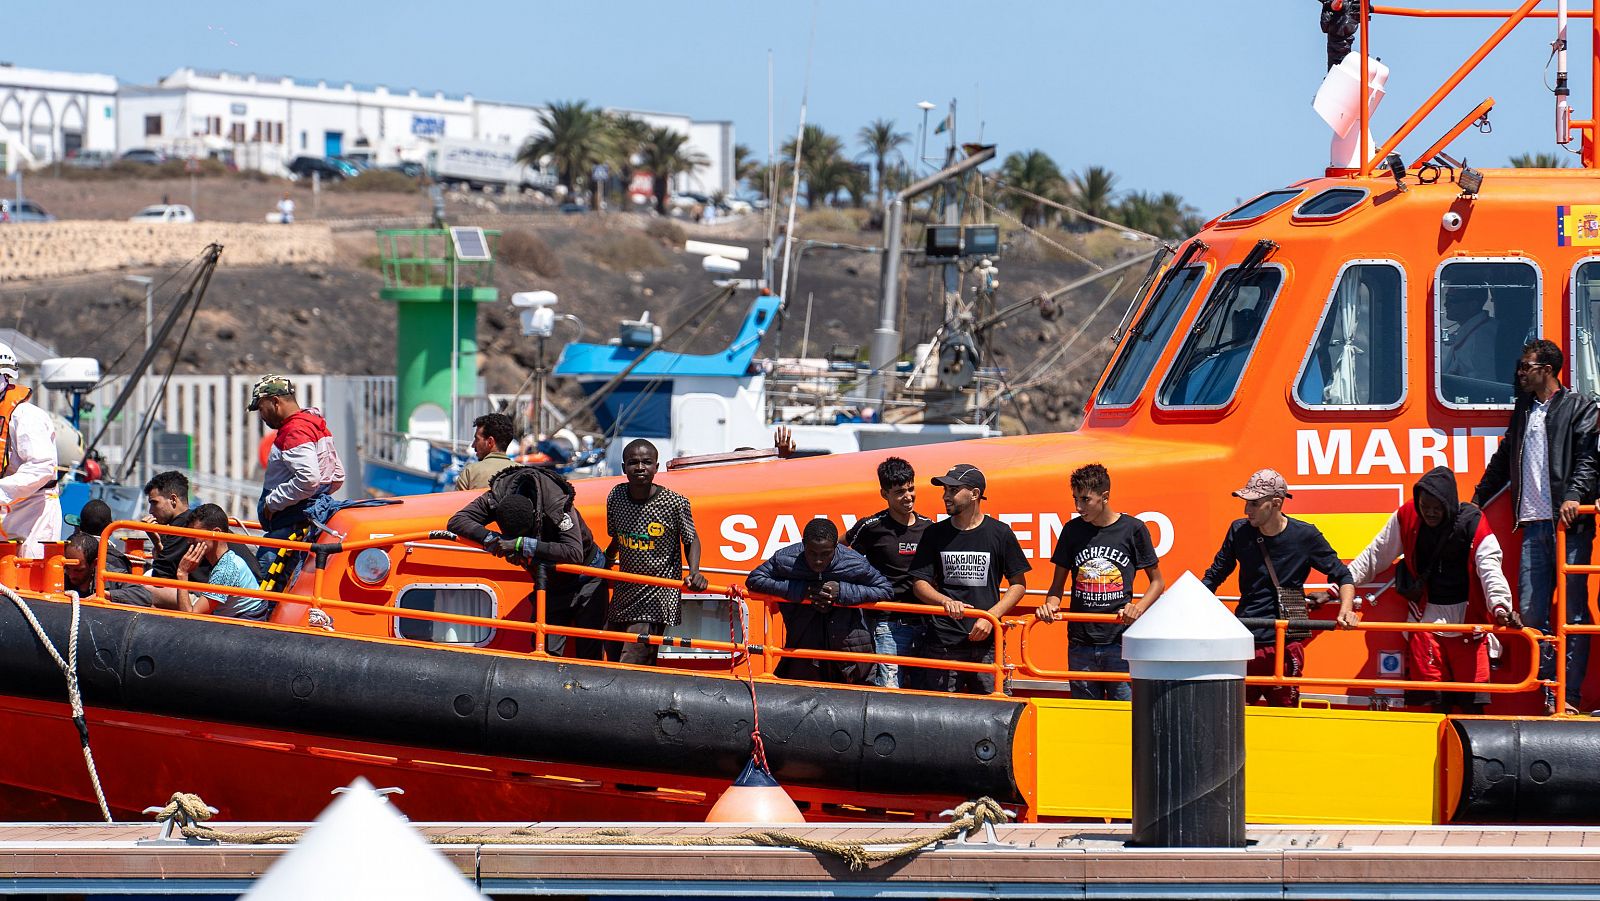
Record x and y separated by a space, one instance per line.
228 570
959 566
1548 458
78 562
1450 573
1274 554
835 580
539 526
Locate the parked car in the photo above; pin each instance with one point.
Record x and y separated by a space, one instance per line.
12 210
143 155
164 212
329 169
408 168
90 159
573 207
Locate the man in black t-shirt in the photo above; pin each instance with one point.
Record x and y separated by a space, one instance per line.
958 566
1101 549
1296 548
889 539
167 496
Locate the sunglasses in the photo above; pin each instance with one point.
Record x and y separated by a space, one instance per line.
1525 367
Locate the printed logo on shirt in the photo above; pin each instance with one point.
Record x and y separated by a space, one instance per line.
1097 575
656 530
965 567
908 548
635 541
566 522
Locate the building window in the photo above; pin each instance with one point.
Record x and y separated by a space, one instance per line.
214 125
152 126
277 132
236 132
302 140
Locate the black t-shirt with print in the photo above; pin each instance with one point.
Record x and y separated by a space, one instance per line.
1103 561
968 566
890 546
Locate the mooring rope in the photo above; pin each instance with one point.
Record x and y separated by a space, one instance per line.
191 813
69 669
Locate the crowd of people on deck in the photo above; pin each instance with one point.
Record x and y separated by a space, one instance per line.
1446 559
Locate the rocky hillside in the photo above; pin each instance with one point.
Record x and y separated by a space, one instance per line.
327 317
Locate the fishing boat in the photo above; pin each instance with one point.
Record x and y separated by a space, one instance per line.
1310 330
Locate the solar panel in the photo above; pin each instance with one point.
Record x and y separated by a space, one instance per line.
470 243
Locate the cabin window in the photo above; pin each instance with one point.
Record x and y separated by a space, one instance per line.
1208 369
1358 358
1261 206
704 618
1147 339
1486 311
1583 362
460 599
1330 203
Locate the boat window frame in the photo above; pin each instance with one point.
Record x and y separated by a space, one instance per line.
494 612
1435 307
1205 267
1233 396
1319 218
1226 220
1572 314
1405 342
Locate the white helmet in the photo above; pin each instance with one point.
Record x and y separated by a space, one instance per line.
8 362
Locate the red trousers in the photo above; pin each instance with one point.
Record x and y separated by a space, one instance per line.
1294 664
1448 657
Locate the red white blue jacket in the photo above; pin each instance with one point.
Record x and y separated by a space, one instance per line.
303 462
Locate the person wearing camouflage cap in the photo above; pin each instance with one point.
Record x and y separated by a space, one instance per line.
1273 551
303 467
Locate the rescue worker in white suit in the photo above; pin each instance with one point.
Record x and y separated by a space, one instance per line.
30 511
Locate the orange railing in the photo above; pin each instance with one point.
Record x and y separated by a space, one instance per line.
1558 609
538 627
771 653
1031 668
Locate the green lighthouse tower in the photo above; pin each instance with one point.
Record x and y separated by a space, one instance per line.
437 279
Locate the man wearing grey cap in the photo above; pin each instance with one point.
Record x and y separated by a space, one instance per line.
958 566
1275 552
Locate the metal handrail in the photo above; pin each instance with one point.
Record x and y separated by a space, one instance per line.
1280 629
538 626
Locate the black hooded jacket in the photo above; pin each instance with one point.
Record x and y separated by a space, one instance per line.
1570 429
1443 555
563 535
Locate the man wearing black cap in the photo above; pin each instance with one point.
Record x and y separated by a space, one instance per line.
958 566
1273 552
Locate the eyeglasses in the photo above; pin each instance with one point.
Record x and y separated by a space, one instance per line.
1526 366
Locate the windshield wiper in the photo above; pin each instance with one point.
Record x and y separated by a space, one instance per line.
1194 249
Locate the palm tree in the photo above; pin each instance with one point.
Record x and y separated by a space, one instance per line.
1539 161
745 165
828 177
820 152
1164 215
882 142
1038 174
1094 190
628 136
857 183
576 138
666 155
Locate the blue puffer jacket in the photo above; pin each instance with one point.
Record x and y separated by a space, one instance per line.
788 576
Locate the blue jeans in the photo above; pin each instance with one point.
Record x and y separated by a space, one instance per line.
1098 658
891 636
1536 585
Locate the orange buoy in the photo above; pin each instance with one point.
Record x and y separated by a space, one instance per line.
755 797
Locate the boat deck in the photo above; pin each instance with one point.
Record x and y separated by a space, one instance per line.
1030 861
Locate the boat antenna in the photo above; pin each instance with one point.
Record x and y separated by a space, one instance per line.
771 179
1562 92
799 146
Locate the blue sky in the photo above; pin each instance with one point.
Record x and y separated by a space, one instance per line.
1210 99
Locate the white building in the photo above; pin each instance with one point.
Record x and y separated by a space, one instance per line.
267 121
45 116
